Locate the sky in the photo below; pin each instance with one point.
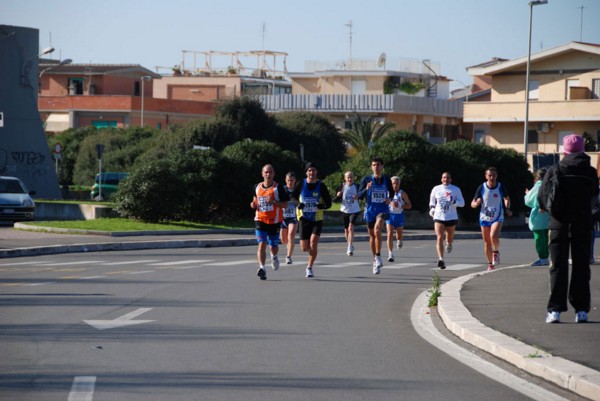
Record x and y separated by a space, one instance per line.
454 33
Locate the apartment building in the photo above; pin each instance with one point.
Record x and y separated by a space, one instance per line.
564 93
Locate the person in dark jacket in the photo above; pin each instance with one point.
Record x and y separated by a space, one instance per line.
570 227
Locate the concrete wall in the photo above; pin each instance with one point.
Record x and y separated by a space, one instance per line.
47 211
24 151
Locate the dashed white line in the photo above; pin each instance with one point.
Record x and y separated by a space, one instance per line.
82 388
180 262
130 262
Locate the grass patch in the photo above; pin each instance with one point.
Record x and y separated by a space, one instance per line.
119 224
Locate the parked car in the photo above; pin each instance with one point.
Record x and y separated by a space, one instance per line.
107 186
16 203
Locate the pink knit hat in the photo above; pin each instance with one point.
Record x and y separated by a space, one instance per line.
573 144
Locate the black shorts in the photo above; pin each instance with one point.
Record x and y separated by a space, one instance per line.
268 228
308 228
447 223
384 216
350 218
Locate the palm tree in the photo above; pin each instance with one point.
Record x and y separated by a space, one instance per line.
363 134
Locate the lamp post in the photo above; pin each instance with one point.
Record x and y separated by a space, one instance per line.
526 127
62 62
143 79
27 64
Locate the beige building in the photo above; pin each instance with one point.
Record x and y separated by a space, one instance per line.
564 98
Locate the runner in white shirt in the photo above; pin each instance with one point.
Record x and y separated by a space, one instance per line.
348 192
443 201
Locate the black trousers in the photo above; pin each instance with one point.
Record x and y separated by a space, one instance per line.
578 239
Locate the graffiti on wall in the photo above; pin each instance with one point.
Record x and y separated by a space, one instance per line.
27 163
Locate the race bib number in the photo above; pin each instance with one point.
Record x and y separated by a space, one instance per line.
378 195
489 213
263 205
310 205
348 201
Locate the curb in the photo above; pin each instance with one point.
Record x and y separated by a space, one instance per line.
457 318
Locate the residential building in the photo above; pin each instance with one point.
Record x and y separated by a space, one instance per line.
564 93
108 95
378 89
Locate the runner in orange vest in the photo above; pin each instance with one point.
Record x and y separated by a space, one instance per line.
269 201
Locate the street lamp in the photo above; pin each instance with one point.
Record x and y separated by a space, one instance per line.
62 62
27 64
143 79
526 127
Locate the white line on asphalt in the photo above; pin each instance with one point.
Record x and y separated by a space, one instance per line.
423 325
21 263
233 263
36 284
347 264
180 262
403 265
130 262
82 388
91 277
141 272
463 266
79 262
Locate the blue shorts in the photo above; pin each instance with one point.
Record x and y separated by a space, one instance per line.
287 221
268 233
372 215
484 223
396 220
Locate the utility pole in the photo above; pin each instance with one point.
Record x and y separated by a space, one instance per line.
581 24
349 25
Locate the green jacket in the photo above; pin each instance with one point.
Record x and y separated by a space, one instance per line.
537 220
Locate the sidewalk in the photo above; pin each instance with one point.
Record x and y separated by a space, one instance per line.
501 312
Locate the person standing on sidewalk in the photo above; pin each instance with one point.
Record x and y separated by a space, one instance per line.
570 227
350 208
494 201
289 225
400 202
378 191
443 201
269 201
313 197
538 221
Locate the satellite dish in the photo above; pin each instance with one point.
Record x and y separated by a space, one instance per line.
381 60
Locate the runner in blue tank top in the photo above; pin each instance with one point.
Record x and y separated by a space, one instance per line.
378 191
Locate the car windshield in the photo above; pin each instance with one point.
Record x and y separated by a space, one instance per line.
11 187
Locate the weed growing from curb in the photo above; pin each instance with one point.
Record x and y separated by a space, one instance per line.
434 292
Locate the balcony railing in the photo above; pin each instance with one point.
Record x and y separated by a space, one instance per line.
361 103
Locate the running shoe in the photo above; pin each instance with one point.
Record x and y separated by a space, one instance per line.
491 267
261 273
495 258
376 269
275 263
441 264
390 257
378 261
309 272
448 247
581 317
399 244
350 250
539 262
553 317
288 260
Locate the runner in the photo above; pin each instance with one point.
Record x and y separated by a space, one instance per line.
400 202
443 201
313 197
269 200
377 190
350 208
493 199
289 225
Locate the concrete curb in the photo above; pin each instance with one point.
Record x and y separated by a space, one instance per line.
457 318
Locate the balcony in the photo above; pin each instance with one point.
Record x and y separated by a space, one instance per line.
361 103
567 110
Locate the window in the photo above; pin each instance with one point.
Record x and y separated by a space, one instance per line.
570 83
75 86
479 136
534 90
532 136
136 88
595 88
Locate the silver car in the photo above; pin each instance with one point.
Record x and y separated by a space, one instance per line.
15 201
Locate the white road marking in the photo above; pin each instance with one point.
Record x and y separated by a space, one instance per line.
423 325
21 263
463 266
80 262
130 262
91 277
142 272
180 262
82 388
36 284
125 320
404 265
233 263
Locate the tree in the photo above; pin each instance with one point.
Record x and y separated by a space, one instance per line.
365 133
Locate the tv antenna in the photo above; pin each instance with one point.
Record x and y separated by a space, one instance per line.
581 24
349 25
381 60
264 28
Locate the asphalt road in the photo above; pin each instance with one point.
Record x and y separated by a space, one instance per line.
197 324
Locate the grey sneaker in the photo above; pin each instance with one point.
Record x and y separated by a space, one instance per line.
581 317
275 263
309 272
261 273
553 317
399 244
448 247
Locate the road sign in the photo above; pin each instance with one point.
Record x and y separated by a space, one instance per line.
100 150
57 147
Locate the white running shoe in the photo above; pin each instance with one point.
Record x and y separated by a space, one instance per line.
350 250
553 317
288 260
378 261
309 272
376 269
275 263
496 258
390 257
399 244
448 247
